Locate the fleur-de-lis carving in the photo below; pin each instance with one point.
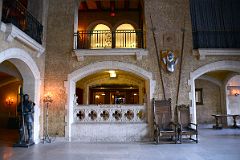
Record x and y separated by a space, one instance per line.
93 115
105 115
81 115
129 115
117 115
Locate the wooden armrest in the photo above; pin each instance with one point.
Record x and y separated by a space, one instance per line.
194 124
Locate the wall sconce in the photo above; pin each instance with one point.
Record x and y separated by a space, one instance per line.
234 90
9 101
48 98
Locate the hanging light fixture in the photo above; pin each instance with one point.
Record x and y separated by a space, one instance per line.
112 7
112 74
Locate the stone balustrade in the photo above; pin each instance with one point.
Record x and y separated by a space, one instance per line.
110 113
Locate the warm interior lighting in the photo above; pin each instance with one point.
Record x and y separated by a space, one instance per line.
48 98
135 94
130 32
234 90
112 73
103 94
9 101
97 97
101 33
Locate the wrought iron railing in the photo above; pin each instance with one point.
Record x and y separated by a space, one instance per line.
105 39
14 12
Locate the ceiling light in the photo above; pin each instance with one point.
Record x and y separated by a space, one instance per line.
112 74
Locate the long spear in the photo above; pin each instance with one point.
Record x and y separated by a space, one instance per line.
180 68
23 123
159 57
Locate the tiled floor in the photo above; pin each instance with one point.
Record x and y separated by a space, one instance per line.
213 145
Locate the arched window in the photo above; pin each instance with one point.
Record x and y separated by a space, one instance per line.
101 37
125 36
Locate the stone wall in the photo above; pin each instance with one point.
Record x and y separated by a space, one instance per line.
169 17
8 110
211 101
40 61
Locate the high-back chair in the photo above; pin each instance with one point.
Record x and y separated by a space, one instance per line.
163 125
187 128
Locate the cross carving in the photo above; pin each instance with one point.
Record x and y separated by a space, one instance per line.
117 115
129 114
81 114
105 115
93 115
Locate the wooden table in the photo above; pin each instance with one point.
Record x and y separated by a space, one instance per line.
218 116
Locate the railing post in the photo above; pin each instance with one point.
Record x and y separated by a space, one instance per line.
113 39
18 15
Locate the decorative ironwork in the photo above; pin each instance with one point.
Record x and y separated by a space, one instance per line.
14 12
108 39
93 115
81 115
117 115
105 115
129 115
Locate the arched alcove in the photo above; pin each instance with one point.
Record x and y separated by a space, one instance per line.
220 65
31 79
105 65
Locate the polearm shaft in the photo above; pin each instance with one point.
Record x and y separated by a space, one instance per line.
159 57
181 60
23 122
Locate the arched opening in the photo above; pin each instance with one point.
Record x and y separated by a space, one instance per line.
10 83
233 98
111 87
19 69
215 73
101 37
112 13
125 36
136 117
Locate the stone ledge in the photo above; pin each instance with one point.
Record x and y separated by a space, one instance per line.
12 32
81 53
203 52
110 132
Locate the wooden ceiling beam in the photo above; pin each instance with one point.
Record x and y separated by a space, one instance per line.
112 4
84 5
99 5
126 4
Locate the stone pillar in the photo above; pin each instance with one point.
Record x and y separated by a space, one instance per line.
1 2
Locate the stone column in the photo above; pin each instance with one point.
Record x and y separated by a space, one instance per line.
1 2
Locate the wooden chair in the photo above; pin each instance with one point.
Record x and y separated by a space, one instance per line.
163 125
186 127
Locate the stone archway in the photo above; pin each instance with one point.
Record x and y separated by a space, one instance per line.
31 79
220 65
93 68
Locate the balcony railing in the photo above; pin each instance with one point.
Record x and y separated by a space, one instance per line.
14 12
109 113
105 39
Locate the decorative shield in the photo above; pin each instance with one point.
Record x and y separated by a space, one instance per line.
169 60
